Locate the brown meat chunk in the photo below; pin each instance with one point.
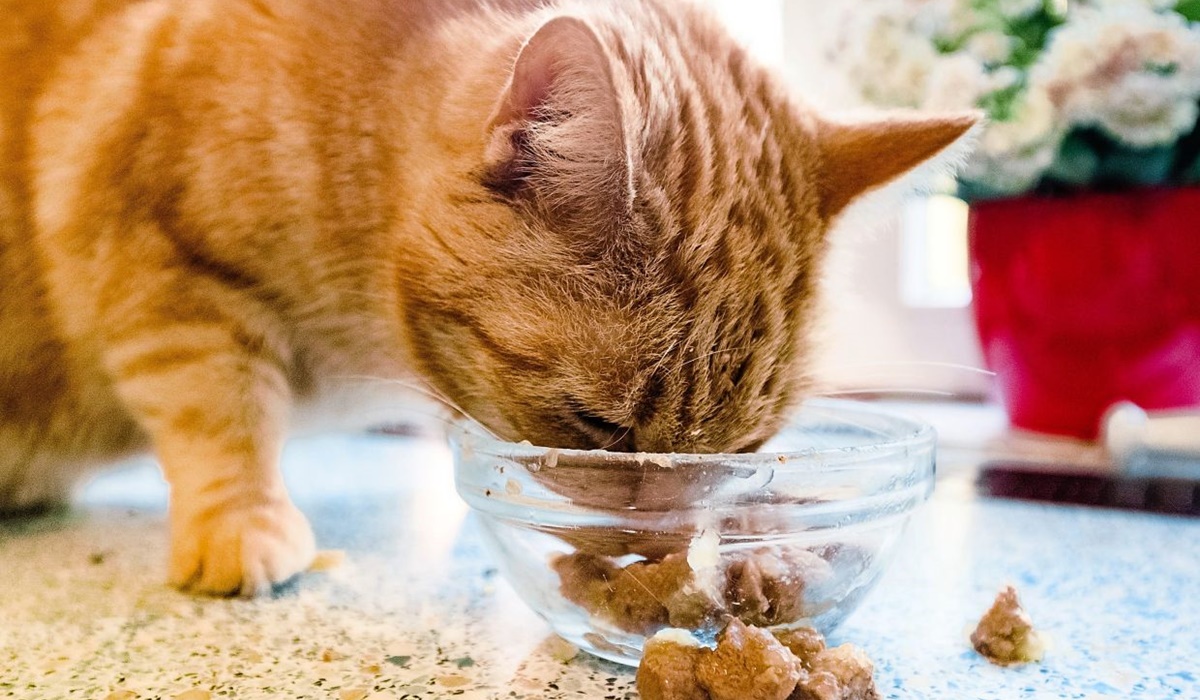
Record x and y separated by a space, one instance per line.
1005 634
766 587
748 664
668 668
630 598
841 673
640 598
584 579
804 643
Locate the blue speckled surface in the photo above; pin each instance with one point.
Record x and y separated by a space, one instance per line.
418 612
1115 593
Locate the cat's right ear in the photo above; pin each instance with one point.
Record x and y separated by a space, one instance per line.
556 138
865 155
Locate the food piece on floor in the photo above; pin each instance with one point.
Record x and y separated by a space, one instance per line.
748 664
668 667
1005 634
751 663
328 560
804 643
840 673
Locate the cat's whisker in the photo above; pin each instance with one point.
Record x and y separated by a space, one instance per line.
841 418
618 438
876 391
639 582
908 363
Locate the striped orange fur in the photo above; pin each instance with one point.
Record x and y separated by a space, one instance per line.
585 223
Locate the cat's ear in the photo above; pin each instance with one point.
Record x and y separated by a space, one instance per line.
557 136
861 156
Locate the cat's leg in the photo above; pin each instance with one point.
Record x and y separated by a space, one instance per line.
203 366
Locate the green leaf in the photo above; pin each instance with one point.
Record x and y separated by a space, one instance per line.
1190 9
999 104
1077 162
1139 167
973 191
1191 174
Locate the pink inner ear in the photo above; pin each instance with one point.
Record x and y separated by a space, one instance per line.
532 81
562 45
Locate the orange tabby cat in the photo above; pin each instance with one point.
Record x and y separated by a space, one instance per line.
586 223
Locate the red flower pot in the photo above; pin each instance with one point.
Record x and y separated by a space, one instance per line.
1087 300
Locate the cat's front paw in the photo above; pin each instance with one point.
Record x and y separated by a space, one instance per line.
243 550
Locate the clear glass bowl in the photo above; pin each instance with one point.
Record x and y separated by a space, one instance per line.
609 547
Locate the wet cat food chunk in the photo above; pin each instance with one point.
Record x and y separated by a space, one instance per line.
804 643
766 586
605 590
1005 635
841 673
668 667
748 664
642 597
763 587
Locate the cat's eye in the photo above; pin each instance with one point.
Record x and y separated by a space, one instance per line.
605 432
596 423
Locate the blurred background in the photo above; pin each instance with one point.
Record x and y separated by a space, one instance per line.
1064 259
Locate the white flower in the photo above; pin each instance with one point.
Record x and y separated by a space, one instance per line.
1129 70
1014 153
1034 122
1142 111
891 65
1005 77
956 82
991 47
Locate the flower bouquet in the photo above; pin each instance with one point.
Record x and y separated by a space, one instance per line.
1085 210
1080 95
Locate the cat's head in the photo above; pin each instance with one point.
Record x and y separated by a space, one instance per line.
645 232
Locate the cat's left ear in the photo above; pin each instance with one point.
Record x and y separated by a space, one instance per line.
556 138
861 156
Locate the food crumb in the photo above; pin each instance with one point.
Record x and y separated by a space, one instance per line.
372 668
561 650
328 655
327 560
453 680
1005 634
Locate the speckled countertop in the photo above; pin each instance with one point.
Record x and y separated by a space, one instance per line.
418 611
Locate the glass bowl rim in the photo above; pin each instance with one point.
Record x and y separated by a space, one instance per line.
906 434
